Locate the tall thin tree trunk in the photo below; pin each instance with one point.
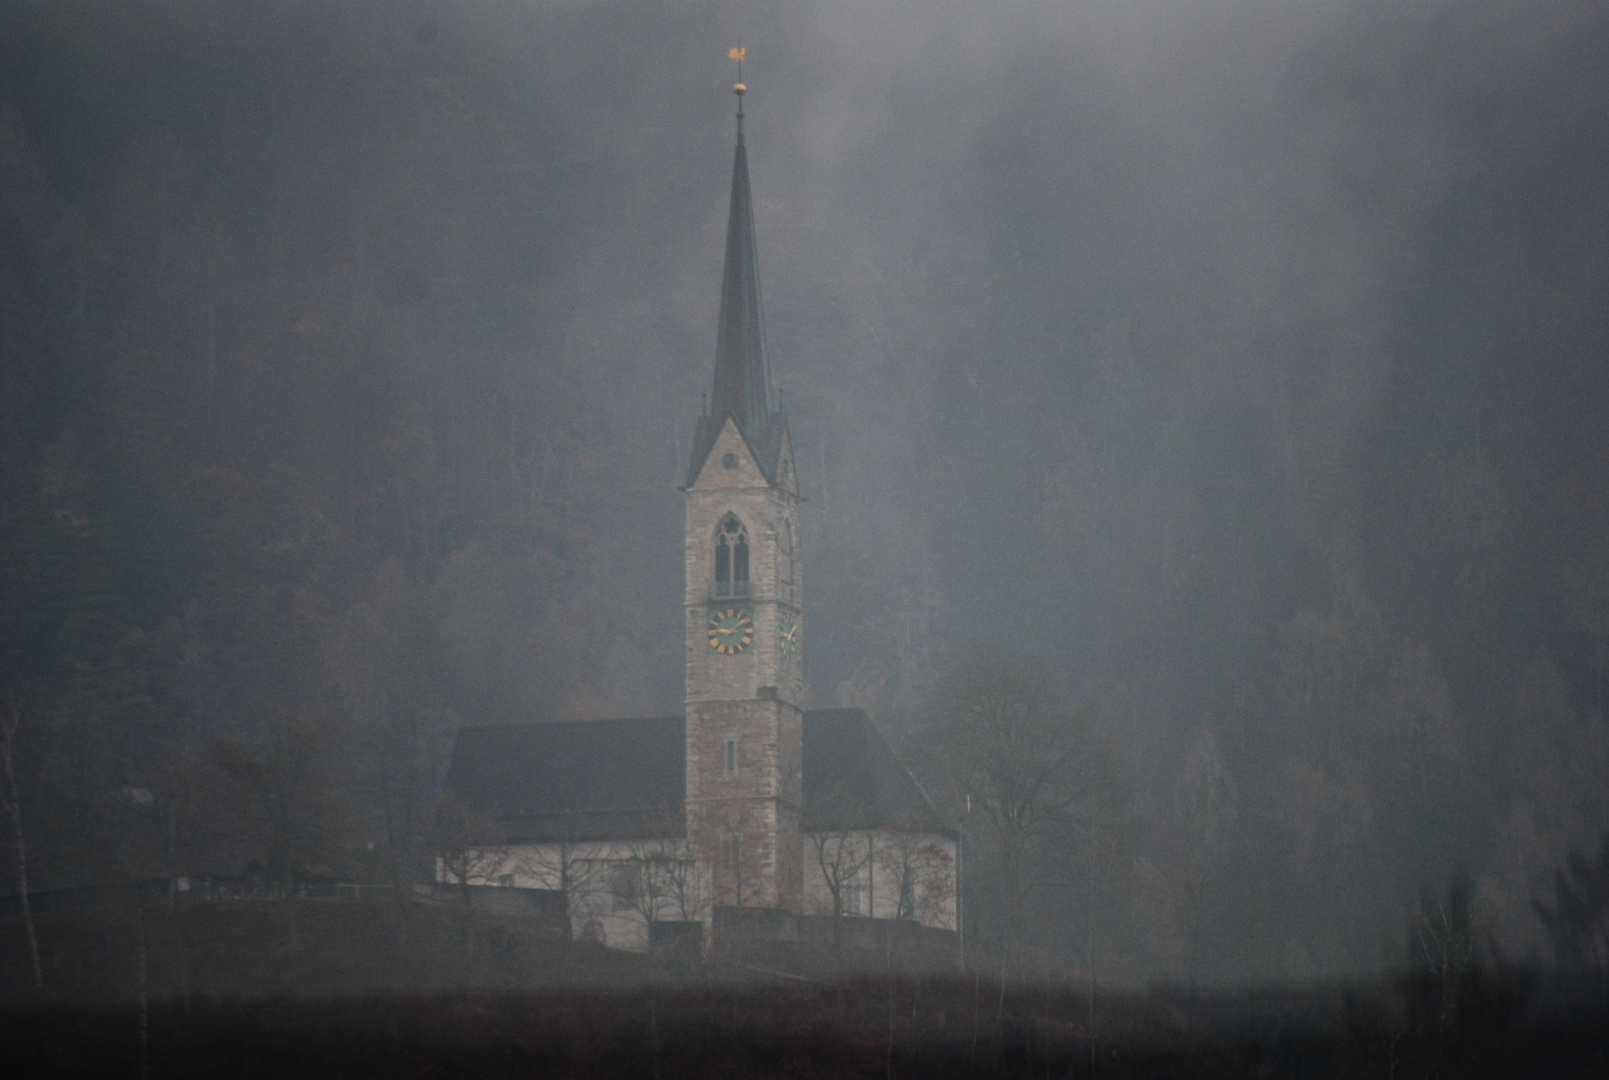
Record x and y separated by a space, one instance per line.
977 994
287 872
212 352
653 1026
145 992
179 911
1092 967
396 913
565 887
1000 1004
288 899
1195 948
1599 694
14 804
871 877
893 991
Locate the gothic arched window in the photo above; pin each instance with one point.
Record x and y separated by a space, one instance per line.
731 558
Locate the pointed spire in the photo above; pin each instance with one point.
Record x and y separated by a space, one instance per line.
740 390
740 376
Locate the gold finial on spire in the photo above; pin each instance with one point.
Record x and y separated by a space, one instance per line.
738 52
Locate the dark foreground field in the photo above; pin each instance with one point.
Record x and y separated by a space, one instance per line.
365 987
888 1027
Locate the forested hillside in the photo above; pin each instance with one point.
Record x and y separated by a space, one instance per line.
1247 367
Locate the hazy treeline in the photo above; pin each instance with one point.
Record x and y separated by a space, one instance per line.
282 508
1245 366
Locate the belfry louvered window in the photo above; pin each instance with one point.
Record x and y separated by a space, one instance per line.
731 558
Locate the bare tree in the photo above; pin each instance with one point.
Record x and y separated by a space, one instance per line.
1443 944
469 846
1577 922
918 867
290 795
665 880
1106 858
841 856
653 882
378 659
679 882
735 857
1206 802
565 865
1033 774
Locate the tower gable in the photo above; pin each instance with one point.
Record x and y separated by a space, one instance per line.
765 441
730 463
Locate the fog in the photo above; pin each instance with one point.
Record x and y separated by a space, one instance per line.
1243 362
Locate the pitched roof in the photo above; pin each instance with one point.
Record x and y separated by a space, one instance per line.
626 779
574 780
852 780
740 391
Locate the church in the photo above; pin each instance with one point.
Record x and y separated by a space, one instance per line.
748 810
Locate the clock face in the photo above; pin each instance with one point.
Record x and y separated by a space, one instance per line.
731 630
790 638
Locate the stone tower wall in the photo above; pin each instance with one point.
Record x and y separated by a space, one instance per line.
745 821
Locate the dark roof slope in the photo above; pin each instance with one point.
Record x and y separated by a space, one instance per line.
625 779
852 780
575 780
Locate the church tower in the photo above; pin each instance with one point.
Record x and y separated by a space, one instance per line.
744 675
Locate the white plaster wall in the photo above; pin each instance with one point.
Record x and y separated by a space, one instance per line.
594 911
935 878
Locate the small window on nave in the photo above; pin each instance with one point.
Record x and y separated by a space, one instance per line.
625 885
731 558
851 894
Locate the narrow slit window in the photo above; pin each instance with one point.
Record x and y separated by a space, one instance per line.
785 556
731 757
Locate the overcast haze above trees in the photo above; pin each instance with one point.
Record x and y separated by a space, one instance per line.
1244 363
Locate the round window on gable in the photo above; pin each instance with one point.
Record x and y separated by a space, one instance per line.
729 461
